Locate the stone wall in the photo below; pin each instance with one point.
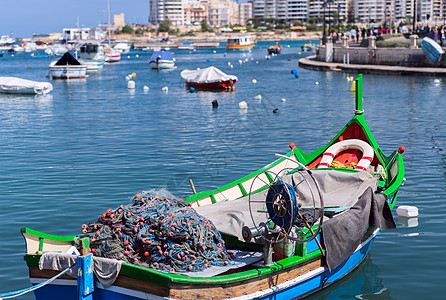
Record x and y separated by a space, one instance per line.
380 56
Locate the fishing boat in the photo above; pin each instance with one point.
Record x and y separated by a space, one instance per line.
276 49
208 78
293 227
67 67
162 60
245 42
14 85
92 55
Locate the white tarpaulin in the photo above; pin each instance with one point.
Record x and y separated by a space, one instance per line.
208 75
24 86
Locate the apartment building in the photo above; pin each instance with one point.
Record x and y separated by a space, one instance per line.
171 10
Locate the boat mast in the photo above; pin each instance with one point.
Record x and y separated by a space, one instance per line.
108 27
358 95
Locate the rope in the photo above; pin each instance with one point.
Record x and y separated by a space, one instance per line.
157 232
32 288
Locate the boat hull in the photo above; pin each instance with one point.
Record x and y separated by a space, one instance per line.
162 64
240 47
221 85
308 280
68 72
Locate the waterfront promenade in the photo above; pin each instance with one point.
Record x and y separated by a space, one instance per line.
311 63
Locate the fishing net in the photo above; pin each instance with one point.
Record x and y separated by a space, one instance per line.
157 232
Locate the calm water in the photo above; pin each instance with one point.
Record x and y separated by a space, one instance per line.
67 157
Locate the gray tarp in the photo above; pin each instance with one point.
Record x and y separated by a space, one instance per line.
341 234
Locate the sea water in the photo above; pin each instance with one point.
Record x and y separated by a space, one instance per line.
68 156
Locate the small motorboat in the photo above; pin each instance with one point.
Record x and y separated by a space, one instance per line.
37 54
308 47
122 47
67 67
92 55
162 60
112 55
208 78
15 85
276 49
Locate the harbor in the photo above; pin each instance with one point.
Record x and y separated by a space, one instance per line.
92 144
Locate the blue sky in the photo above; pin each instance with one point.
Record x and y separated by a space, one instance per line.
25 17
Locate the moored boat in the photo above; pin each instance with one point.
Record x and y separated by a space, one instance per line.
162 60
67 67
276 49
245 42
112 55
122 47
431 49
92 55
208 78
14 85
292 268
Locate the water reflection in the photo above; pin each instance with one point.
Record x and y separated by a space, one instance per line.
363 283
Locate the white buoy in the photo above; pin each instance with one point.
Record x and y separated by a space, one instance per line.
243 105
283 100
254 80
128 56
436 81
214 51
165 89
128 77
146 88
316 83
407 211
137 55
258 97
229 63
131 84
240 61
232 66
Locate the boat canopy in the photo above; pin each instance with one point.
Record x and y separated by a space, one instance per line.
207 75
19 85
163 55
67 59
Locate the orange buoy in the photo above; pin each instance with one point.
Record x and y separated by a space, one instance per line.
126 242
146 253
109 211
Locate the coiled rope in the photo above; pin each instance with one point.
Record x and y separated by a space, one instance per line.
35 287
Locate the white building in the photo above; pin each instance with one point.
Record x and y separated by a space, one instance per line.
167 10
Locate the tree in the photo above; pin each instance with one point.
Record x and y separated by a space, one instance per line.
204 25
127 29
164 26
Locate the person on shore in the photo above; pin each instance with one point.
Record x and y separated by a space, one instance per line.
441 35
357 34
434 34
363 33
353 34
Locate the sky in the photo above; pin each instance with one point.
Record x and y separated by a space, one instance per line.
25 17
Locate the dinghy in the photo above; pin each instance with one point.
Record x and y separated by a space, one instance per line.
291 228
208 78
431 49
14 85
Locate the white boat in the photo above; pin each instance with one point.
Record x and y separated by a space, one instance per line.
6 40
431 49
56 50
92 55
122 47
14 85
112 55
244 42
162 60
67 67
